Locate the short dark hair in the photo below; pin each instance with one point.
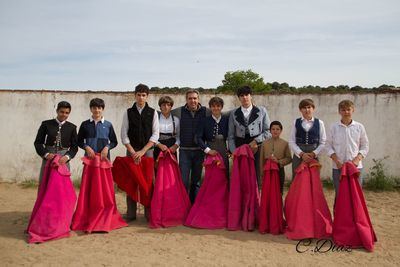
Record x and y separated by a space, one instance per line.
278 123
216 101
306 102
63 104
165 100
142 88
97 102
244 90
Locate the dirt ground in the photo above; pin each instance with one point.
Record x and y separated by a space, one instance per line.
137 245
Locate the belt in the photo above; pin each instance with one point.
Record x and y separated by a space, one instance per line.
58 147
166 136
190 148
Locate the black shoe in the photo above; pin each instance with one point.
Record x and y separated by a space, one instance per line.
129 218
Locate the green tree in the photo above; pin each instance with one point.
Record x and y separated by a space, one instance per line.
235 79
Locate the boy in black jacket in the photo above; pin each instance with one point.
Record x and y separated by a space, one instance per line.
57 136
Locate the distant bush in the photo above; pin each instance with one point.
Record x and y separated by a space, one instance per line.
234 79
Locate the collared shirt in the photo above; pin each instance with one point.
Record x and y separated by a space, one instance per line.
246 111
346 141
125 127
60 122
97 135
140 109
217 120
307 124
167 126
102 120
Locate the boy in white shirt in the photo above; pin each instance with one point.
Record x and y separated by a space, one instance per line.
347 141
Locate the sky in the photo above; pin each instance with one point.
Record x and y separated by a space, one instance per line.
116 44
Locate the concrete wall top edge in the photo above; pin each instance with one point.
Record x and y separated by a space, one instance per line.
394 92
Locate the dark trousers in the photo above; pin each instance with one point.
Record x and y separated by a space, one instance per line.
191 165
281 178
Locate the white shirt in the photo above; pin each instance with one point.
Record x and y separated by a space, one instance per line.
125 127
60 122
307 124
246 111
346 141
217 120
167 126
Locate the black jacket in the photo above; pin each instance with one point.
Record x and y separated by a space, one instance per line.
47 133
205 130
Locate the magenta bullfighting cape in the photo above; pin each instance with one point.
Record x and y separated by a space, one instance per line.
244 198
306 210
352 225
52 214
211 206
271 207
97 209
170 203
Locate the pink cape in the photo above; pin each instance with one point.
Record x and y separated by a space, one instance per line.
97 209
352 225
135 179
210 208
271 212
306 211
244 198
54 206
170 203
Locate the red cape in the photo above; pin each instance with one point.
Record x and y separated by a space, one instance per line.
52 214
352 225
135 179
170 203
244 198
306 211
97 208
210 208
271 212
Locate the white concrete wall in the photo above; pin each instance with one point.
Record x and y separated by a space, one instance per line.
21 113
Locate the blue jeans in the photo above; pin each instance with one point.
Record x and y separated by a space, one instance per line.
191 165
336 179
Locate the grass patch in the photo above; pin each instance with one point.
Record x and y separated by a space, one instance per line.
287 183
77 183
378 180
29 184
328 184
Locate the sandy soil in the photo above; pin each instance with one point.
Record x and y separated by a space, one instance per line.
180 246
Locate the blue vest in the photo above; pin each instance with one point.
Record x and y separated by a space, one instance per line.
307 138
188 126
